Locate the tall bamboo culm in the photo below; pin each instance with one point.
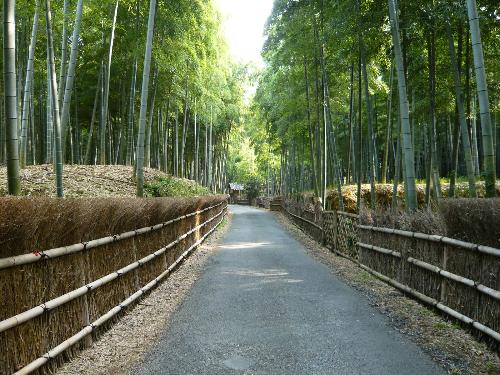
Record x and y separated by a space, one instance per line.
55 102
144 99
408 155
10 95
484 106
70 76
27 87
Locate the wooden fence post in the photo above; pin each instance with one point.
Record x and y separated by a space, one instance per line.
444 264
84 258
335 231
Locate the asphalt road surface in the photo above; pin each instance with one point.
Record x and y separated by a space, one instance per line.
263 306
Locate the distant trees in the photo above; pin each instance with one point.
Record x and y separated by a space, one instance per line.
368 50
89 111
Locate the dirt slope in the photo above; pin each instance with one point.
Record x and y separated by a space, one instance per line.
82 180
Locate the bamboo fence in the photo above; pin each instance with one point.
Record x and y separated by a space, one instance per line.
458 278
307 223
60 297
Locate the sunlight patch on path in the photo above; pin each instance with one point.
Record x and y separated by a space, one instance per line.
263 277
245 245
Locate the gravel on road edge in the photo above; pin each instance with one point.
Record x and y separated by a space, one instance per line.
124 345
451 346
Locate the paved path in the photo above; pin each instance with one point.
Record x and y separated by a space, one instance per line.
263 306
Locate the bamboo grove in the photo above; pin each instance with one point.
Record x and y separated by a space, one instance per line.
135 82
372 91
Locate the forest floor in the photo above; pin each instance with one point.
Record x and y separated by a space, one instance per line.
455 349
93 181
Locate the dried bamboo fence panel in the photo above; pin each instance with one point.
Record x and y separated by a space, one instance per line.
305 219
347 236
87 282
329 228
459 278
454 274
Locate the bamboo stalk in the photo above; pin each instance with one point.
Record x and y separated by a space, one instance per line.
71 249
471 283
305 220
431 301
434 238
65 298
379 250
36 364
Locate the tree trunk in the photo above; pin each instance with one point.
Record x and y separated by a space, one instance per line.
371 148
77 132
433 173
144 99
50 128
92 120
176 145
328 127
360 138
166 136
196 144
32 154
147 147
408 154
475 150
102 136
64 45
28 86
210 152
461 117
205 161
397 170
70 76
351 160
482 92
131 115
389 126
454 157
184 124
311 137
55 103
10 95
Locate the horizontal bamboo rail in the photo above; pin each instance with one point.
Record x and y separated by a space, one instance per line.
75 248
39 362
495 294
471 283
380 250
304 220
65 298
431 301
434 238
